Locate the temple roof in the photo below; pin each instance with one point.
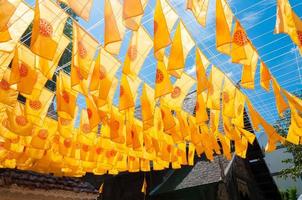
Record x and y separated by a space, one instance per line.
29 179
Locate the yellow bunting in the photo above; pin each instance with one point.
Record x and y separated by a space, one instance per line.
288 22
139 48
8 95
199 10
147 106
228 98
224 21
265 76
248 72
180 90
126 100
280 102
80 7
48 28
164 20
114 28
181 45
133 11
216 80
200 108
201 65
163 84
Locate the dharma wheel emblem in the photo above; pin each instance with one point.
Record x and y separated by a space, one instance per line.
115 125
240 38
45 28
4 85
122 91
132 52
159 76
89 113
299 33
21 120
176 92
23 70
65 96
43 133
82 50
102 73
226 97
86 128
36 104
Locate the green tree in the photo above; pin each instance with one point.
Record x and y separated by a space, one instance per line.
282 126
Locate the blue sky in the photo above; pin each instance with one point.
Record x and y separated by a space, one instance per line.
256 16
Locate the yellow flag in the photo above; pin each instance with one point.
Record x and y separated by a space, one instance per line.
66 97
226 146
92 112
114 28
280 101
133 11
48 67
201 111
239 103
18 122
242 50
191 154
116 126
181 45
86 133
65 126
201 65
183 124
7 9
224 21
23 71
199 10
5 60
147 106
144 187
248 72
180 90
80 7
140 45
8 95
295 101
164 20
126 100
228 97
18 23
163 84
265 76
216 79
253 115
167 117
47 29
101 188
288 22
41 136
37 105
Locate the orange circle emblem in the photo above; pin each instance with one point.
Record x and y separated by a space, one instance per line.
159 76
98 150
80 76
155 26
67 143
65 96
132 52
21 120
240 38
176 92
85 147
226 97
65 122
115 125
86 128
299 33
82 50
43 133
4 85
23 70
102 73
45 28
35 104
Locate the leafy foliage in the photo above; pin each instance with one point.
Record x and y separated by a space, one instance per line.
282 126
289 194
